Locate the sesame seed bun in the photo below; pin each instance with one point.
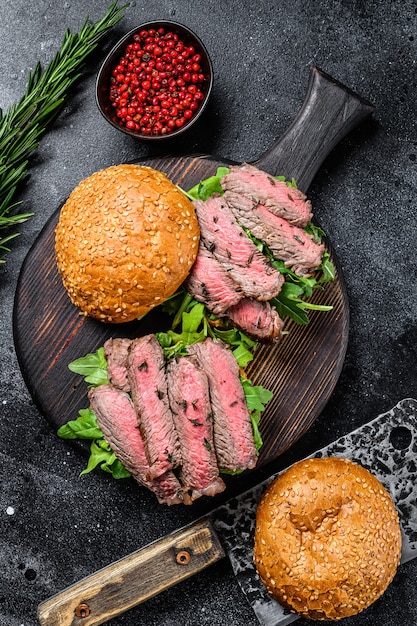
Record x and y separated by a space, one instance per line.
125 241
327 538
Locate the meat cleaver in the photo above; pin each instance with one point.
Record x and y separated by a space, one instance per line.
386 446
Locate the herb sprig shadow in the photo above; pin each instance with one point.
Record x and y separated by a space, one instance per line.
23 123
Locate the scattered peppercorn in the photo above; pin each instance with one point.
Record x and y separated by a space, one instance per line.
157 86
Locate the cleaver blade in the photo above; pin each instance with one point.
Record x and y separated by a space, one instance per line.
386 446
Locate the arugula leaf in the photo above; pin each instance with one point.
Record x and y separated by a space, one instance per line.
208 187
243 346
196 324
191 322
101 455
289 183
93 367
327 268
288 303
242 355
84 427
255 418
315 231
194 328
257 397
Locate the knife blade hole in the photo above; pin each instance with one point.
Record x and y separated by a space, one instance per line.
30 574
400 437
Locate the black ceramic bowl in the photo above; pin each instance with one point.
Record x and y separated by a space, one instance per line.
104 79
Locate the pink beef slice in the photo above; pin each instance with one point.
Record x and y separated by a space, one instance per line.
233 435
147 378
190 403
115 352
282 200
248 267
289 243
258 320
209 283
118 420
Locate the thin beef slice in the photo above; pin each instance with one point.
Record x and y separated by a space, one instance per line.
147 378
287 202
190 404
258 320
117 418
115 352
247 266
233 434
287 242
209 283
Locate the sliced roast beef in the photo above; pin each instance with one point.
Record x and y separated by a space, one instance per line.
190 404
258 320
248 267
115 352
117 418
233 435
290 243
148 384
287 202
211 284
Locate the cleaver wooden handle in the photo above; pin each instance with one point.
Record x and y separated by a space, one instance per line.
329 112
135 578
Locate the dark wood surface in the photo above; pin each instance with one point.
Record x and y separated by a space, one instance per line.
301 370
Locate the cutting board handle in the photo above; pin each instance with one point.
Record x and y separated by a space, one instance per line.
329 111
135 578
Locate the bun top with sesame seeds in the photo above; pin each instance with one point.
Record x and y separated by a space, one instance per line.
125 241
327 538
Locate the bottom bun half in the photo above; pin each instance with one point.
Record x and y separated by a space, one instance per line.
327 539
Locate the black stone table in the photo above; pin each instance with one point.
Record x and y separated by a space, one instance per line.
55 528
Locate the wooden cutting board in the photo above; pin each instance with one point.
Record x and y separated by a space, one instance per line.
301 370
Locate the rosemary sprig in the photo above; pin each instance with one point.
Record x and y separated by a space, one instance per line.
23 124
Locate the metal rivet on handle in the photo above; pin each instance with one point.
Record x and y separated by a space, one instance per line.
183 557
82 610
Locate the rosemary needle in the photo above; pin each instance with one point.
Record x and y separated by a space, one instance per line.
23 124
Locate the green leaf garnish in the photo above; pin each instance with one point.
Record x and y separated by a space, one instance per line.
93 367
208 187
257 397
102 456
255 418
84 427
327 268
